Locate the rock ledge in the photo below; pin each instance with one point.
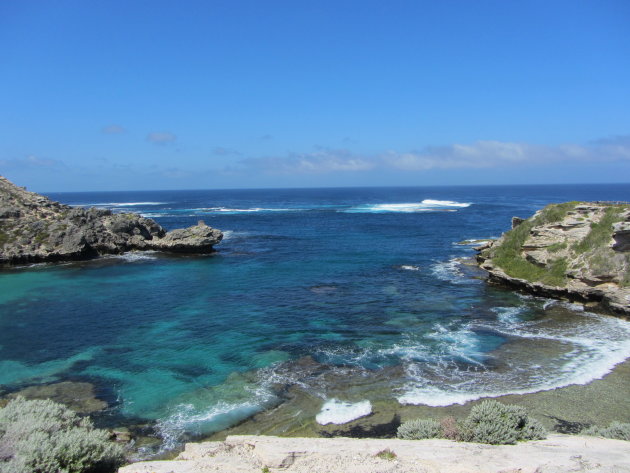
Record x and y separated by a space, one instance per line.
253 454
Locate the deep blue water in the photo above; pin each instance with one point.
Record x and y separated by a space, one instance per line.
358 279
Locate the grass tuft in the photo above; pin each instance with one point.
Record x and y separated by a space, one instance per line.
600 233
386 454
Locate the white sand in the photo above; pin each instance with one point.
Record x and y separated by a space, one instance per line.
244 454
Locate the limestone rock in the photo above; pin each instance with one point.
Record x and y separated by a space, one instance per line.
34 228
253 454
191 239
588 243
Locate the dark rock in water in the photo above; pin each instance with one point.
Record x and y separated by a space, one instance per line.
121 434
35 229
79 397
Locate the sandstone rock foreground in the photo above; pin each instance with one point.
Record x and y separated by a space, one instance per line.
35 229
245 454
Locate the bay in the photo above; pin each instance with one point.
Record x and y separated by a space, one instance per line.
355 294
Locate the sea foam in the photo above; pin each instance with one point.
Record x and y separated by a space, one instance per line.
339 412
595 345
122 204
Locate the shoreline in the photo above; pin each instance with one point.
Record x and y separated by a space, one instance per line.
566 409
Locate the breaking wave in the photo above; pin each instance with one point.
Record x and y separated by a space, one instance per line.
580 354
427 205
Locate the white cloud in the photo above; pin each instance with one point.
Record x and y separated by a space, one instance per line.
221 151
309 163
480 154
113 130
31 162
161 137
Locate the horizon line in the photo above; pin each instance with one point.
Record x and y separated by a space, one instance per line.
339 187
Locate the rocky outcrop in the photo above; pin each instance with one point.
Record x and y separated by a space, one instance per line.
34 228
573 251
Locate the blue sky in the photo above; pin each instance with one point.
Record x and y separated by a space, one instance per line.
122 95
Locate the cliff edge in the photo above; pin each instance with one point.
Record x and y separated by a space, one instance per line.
34 229
253 454
576 251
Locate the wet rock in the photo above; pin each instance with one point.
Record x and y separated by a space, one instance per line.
79 397
121 434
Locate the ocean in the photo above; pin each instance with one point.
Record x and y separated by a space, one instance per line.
351 296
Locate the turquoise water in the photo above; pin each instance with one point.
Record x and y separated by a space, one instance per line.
357 280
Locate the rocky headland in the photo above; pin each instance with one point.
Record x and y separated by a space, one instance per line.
35 229
576 251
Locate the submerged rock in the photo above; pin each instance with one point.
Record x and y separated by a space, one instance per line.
78 396
35 229
574 251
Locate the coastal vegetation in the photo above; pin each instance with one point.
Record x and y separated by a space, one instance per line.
419 429
508 255
387 454
42 436
490 422
574 250
616 430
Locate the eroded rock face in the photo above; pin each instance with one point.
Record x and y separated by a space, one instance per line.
593 269
621 234
34 228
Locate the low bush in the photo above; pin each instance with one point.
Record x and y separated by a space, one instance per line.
450 428
419 429
616 430
41 436
499 424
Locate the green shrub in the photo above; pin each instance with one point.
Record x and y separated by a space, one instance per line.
419 429
616 430
386 454
498 424
41 436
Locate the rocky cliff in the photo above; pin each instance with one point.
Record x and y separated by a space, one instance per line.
576 251
34 228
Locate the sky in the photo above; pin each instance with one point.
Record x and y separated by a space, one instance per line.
142 95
